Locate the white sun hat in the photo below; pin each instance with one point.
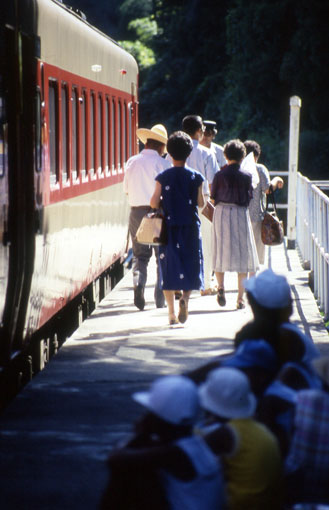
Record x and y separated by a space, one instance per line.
174 398
269 289
157 132
227 393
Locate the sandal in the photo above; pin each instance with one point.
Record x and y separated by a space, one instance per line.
208 292
221 300
240 304
183 313
173 320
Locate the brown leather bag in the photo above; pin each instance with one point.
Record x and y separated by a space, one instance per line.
272 232
208 210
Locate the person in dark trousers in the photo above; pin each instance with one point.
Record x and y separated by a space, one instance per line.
140 173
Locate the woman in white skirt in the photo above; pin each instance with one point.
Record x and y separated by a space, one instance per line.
234 247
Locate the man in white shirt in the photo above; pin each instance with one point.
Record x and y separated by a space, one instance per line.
139 184
208 136
203 160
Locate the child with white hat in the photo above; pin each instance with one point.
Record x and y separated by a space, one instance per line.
166 466
269 295
249 452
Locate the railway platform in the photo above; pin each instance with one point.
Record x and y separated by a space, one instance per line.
56 435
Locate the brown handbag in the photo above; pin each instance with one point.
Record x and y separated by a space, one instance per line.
152 229
208 210
272 232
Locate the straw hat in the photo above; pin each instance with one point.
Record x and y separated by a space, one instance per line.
227 393
157 132
174 398
270 290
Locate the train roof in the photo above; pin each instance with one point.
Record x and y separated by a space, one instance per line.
69 42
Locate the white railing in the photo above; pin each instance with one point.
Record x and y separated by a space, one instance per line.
312 235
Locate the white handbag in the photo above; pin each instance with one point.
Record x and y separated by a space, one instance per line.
152 230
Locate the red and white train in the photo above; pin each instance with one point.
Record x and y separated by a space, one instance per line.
68 118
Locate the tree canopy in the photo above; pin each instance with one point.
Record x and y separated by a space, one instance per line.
237 62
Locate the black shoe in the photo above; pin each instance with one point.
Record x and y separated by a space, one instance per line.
221 300
139 300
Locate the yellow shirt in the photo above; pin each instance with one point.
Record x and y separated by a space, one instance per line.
253 470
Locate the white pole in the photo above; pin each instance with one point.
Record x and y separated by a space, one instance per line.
295 105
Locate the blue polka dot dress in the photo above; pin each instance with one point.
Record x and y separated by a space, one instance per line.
181 259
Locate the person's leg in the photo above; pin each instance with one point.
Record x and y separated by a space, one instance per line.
183 306
158 293
170 300
141 256
240 301
221 291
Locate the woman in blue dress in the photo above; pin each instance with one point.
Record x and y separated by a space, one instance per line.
179 192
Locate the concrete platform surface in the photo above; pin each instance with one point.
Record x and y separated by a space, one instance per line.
56 435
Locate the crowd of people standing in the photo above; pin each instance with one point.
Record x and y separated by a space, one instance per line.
180 175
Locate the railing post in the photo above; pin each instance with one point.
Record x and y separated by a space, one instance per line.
295 105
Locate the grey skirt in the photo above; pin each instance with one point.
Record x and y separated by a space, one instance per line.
233 243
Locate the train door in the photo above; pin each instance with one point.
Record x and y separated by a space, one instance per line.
4 248
19 85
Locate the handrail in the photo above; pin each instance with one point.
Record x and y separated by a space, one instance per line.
312 235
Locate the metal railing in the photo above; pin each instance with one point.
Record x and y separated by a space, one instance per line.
312 235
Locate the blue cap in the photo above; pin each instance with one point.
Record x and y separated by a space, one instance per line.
253 353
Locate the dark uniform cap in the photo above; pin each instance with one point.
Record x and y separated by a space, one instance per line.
210 123
210 126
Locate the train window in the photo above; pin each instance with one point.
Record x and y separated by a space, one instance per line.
100 135
84 132
37 134
130 134
120 136
113 138
65 132
106 135
53 132
125 151
75 132
92 133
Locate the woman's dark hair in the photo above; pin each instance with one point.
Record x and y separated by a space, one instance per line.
252 146
235 150
179 145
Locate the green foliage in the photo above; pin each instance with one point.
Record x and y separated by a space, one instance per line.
143 55
145 28
237 62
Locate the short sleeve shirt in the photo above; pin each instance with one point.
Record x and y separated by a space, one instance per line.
179 191
232 185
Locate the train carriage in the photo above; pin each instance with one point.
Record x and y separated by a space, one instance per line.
68 118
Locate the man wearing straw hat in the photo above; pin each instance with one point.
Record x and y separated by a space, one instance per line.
139 182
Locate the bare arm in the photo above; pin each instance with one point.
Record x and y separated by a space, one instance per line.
200 196
155 199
